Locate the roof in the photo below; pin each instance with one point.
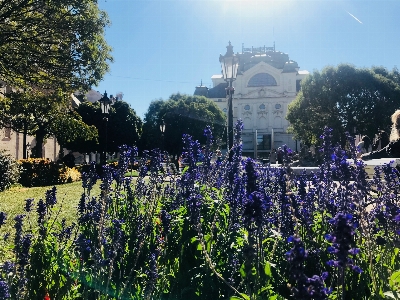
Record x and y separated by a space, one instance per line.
304 72
218 91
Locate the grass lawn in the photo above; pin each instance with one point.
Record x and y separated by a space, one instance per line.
12 202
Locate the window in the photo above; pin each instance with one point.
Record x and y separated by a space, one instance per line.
7 133
263 142
262 79
262 106
247 107
278 106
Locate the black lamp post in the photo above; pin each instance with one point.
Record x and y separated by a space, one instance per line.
229 64
162 129
105 103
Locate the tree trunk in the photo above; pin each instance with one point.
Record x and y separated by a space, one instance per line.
39 135
24 155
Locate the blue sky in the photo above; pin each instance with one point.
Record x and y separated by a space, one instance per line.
161 47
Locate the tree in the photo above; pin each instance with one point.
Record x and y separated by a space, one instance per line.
43 114
346 99
123 127
53 43
181 114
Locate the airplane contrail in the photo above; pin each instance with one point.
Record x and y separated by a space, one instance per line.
354 17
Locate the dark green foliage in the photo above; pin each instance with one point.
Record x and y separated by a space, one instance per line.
38 172
182 114
9 171
122 127
53 44
42 115
344 98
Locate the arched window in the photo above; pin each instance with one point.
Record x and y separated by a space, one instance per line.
262 79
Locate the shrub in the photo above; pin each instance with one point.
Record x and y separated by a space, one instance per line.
68 175
38 172
86 168
9 171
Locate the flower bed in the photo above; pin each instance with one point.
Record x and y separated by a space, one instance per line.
225 230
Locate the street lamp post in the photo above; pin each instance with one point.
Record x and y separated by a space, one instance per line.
162 129
229 64
105 103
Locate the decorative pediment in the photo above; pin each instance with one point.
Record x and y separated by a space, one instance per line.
262 93
247 110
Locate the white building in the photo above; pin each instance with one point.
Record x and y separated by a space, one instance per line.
266 83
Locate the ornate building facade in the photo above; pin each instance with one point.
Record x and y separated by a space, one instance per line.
267 81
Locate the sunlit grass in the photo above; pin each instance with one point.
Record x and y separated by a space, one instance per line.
12 202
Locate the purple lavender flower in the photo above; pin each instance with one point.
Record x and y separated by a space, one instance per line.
118 238
194 204
124 160
296 257
51 199
82 204
254 209
304 287
251 175
28 204
342 240
83 246
235 155
152 271
89 179
23 254
8 267
4 290
106 178
41 211
18 231
3 218
165 222
397 220
66 231
92 212
207 150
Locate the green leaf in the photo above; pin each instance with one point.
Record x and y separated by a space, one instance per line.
199 247
245 296
395 256
242 271
394 280
267 269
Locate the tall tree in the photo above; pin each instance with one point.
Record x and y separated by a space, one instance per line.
181 114
53 43
43 114
122 126
346 99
